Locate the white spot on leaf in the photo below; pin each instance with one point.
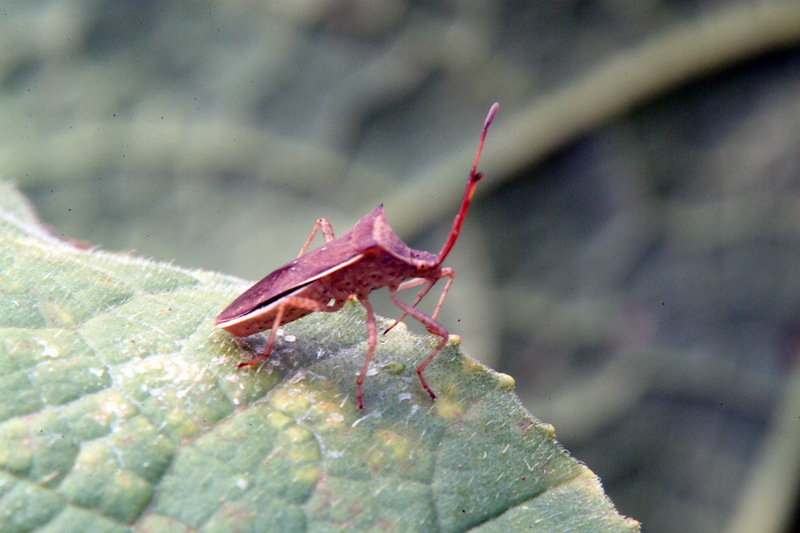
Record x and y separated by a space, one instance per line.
49 350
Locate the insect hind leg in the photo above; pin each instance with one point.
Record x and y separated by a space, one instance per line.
327 234
296 302
275 324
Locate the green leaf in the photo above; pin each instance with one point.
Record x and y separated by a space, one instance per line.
121 409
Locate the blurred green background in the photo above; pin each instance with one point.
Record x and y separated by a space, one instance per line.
632 259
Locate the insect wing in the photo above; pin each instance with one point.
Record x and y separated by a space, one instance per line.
302 271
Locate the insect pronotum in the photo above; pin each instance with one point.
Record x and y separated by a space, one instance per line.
367 257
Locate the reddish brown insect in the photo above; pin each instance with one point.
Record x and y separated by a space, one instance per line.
367 257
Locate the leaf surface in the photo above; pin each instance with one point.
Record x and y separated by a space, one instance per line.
121 409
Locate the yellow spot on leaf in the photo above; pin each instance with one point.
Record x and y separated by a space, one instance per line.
448 409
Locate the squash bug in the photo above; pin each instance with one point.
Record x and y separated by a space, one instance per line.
367 257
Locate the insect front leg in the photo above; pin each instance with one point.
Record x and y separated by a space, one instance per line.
446 272
327 234
409 285
291 302
431 325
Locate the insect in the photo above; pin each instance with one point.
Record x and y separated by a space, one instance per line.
368 257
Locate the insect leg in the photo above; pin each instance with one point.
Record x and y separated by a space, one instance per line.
275 324
296 302
372 341
327 233
411 283
431 325
445 273
408 285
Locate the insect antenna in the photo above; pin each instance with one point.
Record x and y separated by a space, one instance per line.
474 177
